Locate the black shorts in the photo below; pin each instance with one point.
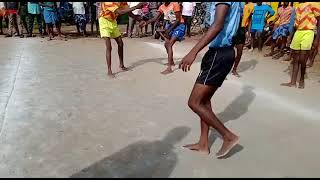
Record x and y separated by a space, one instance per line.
215 66
240 37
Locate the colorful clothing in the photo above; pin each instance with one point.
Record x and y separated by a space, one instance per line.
259 16
284 15
247 11
230 27
108 9
81 20
302 40
108 28
281 31
178 31
306 14
292 19
169 12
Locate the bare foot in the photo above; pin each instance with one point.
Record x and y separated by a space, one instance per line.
197 147
289 84
250 50
123 68
111 75
268 55
309 65
235 73
227 146
301 85
167 71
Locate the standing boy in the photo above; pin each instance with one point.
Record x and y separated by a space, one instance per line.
261 14
216 64
14 19
306 21
109 28
34 11
187 13
80 18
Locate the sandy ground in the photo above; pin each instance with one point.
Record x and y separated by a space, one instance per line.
62 117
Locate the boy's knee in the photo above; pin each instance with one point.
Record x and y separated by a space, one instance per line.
193 104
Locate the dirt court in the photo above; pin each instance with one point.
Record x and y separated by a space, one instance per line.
62 117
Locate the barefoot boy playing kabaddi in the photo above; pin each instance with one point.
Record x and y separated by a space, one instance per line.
174 29
215 66
109 28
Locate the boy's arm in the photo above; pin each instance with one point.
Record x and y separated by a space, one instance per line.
316 41
127 10
137 18
154 19
213 31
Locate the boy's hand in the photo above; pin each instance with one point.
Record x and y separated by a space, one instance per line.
186 62
142 24
315 44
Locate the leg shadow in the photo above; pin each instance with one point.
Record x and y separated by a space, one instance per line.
234 111
141 159
246 65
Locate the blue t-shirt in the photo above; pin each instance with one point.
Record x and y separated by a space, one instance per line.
259 16
33 8
230 27
291 23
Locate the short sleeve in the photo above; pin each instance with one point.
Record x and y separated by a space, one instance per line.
315 8
270 10
107 6
176 7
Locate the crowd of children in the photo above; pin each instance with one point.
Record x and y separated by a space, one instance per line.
292 31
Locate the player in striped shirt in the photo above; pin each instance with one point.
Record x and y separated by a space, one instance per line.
306 21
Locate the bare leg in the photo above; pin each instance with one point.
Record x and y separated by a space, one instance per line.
168 45
120 53
303 62
312 57
237 60
260 43
108 57
293 82
252 41
203 145
273 44
199 95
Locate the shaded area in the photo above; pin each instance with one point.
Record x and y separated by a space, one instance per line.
141 159
234 111
159 61
247 65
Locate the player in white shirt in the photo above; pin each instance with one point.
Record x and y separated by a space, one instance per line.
132 21
79 11
187 13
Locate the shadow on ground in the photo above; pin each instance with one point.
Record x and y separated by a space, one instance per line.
234 111
247 65
141 159
161 61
